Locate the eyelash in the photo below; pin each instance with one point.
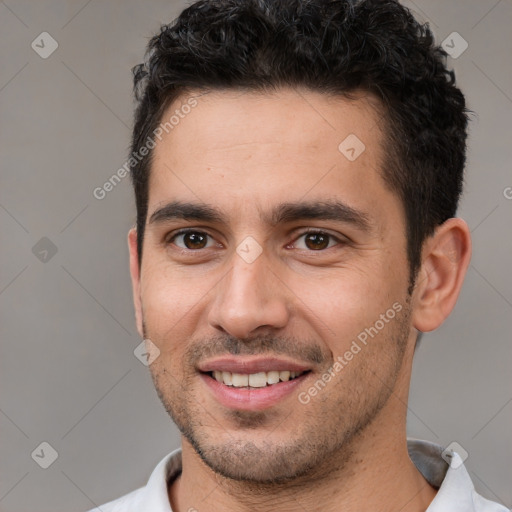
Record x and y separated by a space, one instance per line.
169 240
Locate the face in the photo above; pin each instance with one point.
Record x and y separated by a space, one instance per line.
270 249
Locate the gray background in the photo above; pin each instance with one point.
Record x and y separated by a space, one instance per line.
68 374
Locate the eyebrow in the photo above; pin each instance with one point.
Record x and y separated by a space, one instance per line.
285 212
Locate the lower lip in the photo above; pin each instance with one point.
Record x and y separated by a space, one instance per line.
254 399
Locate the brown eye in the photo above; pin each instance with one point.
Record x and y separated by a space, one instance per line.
317 241
194 240
191 240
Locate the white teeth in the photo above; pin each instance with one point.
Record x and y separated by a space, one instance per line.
254 380
284 376
258 380
273 377
239 380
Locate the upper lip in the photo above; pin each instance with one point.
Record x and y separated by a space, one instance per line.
252 365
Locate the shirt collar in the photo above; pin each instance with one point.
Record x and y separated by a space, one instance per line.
155 495
447 474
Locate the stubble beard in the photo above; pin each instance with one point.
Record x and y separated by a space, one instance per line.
323 437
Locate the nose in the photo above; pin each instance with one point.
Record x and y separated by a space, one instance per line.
249 297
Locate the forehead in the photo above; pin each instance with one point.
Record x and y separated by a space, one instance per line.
222 119
242 149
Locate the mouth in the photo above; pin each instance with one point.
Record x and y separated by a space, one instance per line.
252 384
254 380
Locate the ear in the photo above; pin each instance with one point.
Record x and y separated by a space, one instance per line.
135 275
445 260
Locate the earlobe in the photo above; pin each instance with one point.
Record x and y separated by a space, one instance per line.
445 259
135 276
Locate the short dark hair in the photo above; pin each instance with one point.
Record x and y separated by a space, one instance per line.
337 47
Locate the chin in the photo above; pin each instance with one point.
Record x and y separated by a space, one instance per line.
264 463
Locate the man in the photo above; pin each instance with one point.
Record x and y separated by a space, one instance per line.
297 167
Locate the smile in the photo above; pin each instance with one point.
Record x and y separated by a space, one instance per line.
254 380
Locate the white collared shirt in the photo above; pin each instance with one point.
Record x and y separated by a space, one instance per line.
456 492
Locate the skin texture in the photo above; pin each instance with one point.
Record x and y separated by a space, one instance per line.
244 154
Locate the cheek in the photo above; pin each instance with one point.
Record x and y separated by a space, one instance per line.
167 302
343 305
